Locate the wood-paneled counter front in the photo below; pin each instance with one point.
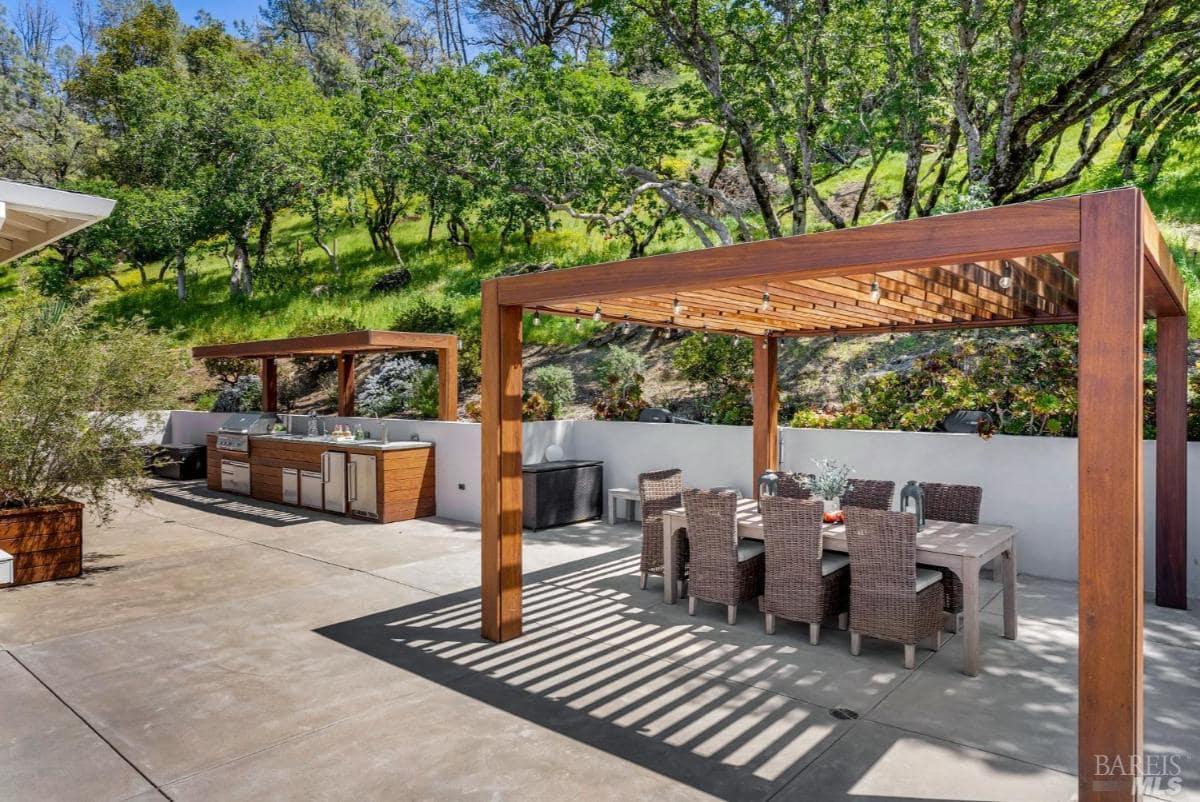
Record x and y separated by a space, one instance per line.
404 472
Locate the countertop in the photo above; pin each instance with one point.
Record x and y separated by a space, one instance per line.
368 445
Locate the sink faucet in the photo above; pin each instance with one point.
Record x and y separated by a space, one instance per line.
312 423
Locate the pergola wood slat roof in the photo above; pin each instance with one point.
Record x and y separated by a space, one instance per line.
932 273
1097 260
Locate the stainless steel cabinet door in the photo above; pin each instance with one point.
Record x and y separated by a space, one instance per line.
363 498
333 473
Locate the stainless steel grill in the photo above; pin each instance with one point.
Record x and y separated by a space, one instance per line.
234 434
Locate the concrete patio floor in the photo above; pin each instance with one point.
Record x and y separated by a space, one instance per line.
222 648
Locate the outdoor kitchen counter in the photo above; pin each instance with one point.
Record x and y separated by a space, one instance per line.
404 472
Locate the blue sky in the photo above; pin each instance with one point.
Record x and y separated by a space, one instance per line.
227 10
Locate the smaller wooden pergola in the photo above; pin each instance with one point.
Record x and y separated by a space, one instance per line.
1096 261
344 348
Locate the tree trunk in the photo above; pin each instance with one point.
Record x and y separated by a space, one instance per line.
265 230
330 253
240 281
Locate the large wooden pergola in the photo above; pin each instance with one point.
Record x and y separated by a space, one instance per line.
343 348
1095 260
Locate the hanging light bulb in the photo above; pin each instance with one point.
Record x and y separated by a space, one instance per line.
596 315
876 292
578 322
704 336
676 307
537 317
892 336
625 325
737 338
459 339
766 302
765 338
1006 279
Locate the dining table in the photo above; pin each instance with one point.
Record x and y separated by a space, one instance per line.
961 547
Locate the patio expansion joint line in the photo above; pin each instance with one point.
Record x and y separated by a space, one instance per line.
89 725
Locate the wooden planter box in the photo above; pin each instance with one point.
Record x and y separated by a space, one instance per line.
45 542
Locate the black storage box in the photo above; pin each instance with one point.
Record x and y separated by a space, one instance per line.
186 460
561 492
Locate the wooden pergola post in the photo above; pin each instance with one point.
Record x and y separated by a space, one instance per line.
345 384
1170 518
765 399
448 383
269 381
501 499
1110 494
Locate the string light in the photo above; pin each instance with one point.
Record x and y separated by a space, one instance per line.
1006 279
597 314
876 292
625 325
676 307
704 336
765 338
892 336
578 322
766 302
537 317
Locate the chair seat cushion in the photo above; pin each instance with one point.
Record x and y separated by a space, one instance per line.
833 561
749 549
927 577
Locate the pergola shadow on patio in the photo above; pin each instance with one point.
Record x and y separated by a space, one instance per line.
1095 260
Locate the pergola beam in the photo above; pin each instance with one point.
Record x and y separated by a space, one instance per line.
501 496
1170 485
1110 494
1027 229
765 401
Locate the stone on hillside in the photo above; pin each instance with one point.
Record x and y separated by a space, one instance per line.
393 280
320 290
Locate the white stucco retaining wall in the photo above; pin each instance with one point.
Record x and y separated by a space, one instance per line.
1028 482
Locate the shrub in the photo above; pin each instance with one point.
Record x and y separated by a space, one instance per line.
426 396
722 368
534 407
620 364
324 324
388 388
227 369
244 395
620 374
73 399
425 315
555 384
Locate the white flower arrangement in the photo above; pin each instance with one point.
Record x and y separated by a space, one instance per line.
831 480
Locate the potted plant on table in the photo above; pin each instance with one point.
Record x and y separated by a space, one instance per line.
76 403
829 482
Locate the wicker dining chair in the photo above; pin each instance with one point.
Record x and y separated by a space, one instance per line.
873 494
958 503
721 569
802 582
659 491
890 597
791 485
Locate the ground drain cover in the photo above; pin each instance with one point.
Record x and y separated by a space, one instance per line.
843 713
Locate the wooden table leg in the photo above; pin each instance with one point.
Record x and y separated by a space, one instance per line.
1009 569
669 591
970 580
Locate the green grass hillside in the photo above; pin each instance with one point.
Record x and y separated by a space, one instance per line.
300 285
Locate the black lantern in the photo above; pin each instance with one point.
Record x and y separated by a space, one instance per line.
768 485
912 494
